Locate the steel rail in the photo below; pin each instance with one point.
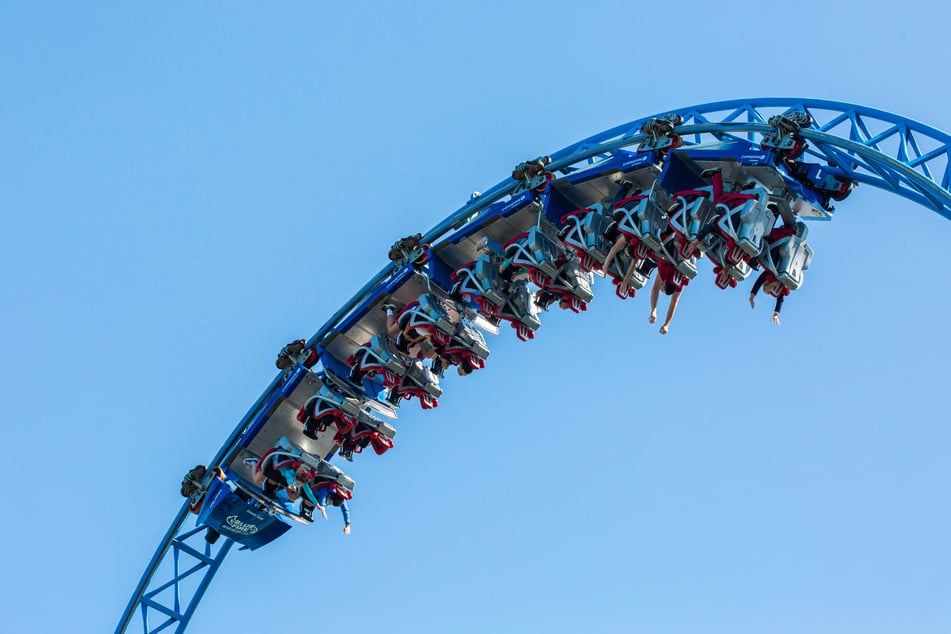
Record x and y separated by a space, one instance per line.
908 172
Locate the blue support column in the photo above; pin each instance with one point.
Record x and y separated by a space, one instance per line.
190 569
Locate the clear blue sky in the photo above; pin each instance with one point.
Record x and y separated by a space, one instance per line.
185 187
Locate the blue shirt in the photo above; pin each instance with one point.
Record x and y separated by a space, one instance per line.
322 494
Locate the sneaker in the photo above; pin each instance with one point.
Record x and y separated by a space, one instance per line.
388 307
307 513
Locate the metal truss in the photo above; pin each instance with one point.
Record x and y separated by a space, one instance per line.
191 563
872 146
184 563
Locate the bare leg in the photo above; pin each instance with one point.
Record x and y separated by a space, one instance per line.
391 327
422 347
624 286
691 247
415 349
618 245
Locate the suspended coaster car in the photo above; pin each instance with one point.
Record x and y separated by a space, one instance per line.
732 181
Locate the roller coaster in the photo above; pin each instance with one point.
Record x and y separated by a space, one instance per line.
734 182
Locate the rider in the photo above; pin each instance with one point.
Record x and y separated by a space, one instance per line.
279 468
768 282
325 493
417 343
665 273
618 241
414 342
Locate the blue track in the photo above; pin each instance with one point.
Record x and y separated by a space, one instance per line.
870 146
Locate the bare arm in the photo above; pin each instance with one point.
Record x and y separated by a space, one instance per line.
756 286
779 307
674 300
655 294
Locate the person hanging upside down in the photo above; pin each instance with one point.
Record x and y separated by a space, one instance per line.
411 341
325 495
663 280
618 241
767 280
280 469
770 285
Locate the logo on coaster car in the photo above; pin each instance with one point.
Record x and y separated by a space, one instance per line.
242 528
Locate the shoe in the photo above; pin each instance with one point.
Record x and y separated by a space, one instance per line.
212 536
307 513
388 307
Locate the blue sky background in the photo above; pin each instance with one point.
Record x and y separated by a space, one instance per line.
186 187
